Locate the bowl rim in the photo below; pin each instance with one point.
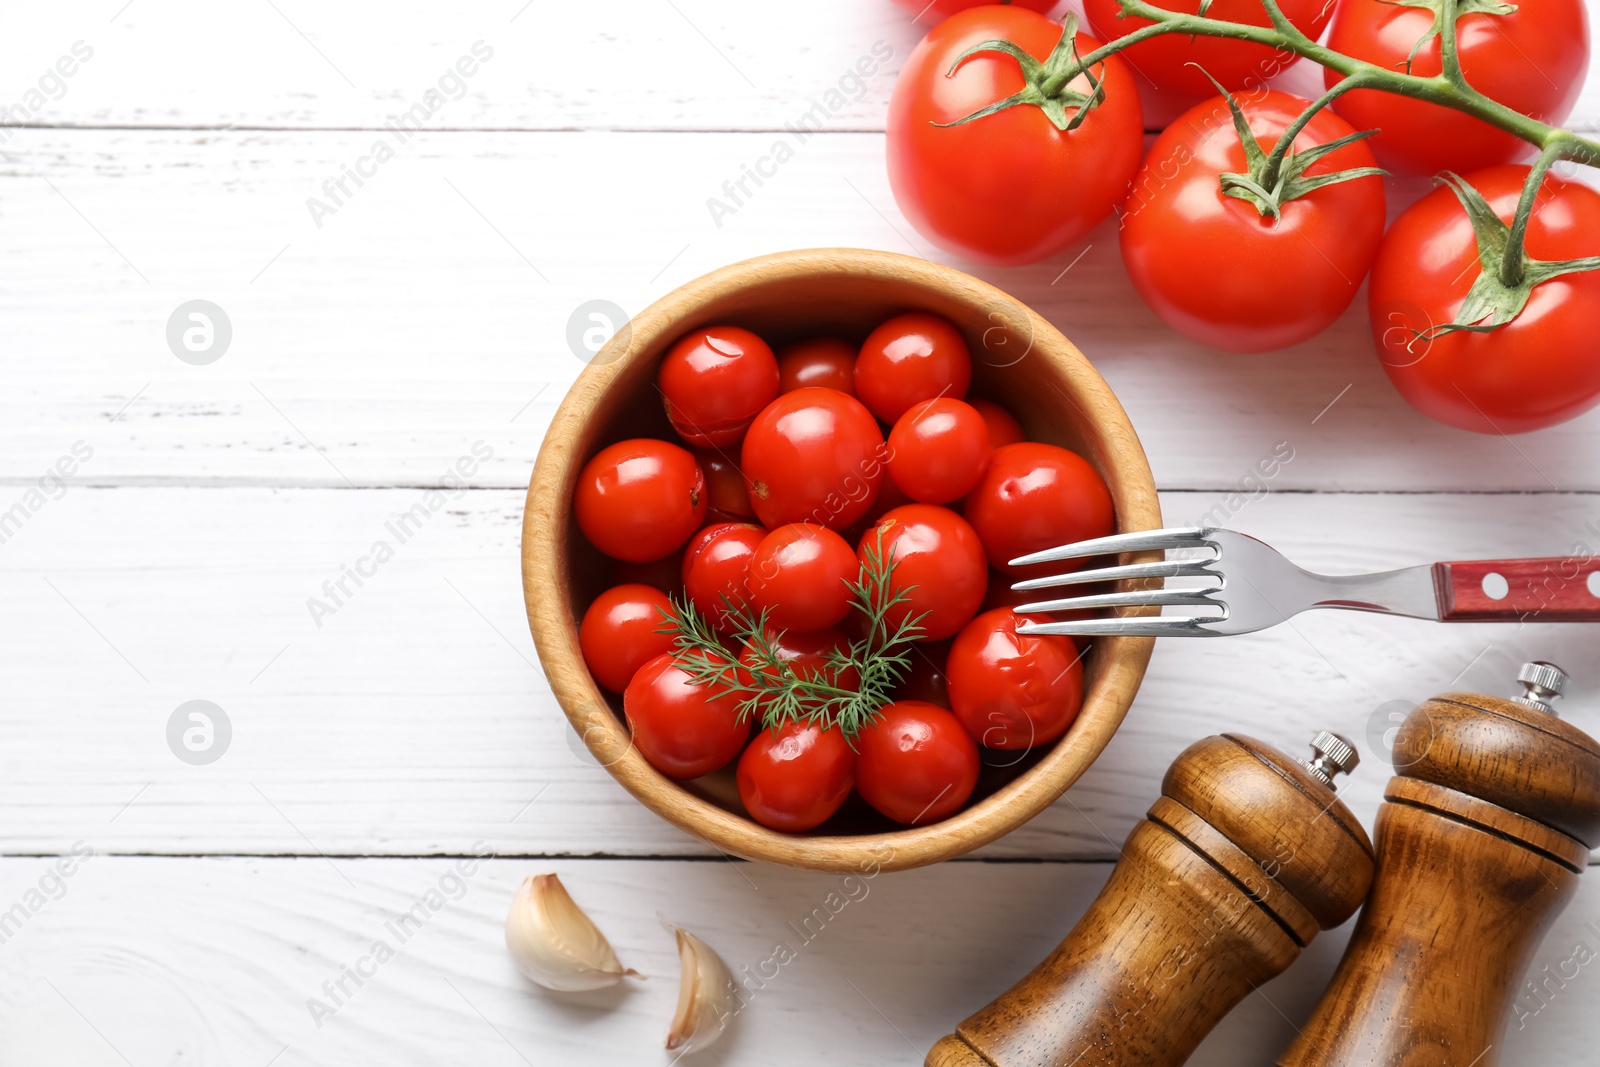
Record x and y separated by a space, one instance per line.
554 621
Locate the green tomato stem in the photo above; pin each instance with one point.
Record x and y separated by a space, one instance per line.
1513 260
1274 164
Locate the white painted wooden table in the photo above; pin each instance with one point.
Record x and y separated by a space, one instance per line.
421 317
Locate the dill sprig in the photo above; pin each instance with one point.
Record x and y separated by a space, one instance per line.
771 690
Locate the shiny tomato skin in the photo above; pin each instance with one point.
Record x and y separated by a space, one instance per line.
813 455
682 729
994 190
939 565
794 779
823 362
808 654
1537 370
801 574
638 500
726 496
1004 429
909 359
619 633
1212 266
1036 496
1236 64
716 565
714 381
938 450
915 763
932 12
1533 60
1013 691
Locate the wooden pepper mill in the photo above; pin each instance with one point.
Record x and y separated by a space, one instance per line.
1246 855
1481 839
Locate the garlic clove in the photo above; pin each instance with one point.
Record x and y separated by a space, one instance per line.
554 943
708 997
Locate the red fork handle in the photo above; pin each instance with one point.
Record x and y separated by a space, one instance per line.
1565 589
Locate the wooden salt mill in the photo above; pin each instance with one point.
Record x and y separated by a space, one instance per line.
1481 840
1245 856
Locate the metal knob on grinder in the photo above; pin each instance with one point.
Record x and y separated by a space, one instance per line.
1243 859
1481 839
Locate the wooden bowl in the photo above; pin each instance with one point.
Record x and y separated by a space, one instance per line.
1019 359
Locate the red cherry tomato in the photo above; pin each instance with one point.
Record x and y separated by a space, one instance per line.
813 455
1010 690
1532 60
795 778
729 500
1218 271
1537 370
930 12
682 729
716 565
618 634
801 576
938 564
822 362
1004 429
938 450
1036 496
714 381
807 654
1236 64
992 189
915 763
908 359
638 500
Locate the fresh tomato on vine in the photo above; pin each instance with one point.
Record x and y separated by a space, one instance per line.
1243 253
932 12
1456 339
1166 59
989 175
1530 55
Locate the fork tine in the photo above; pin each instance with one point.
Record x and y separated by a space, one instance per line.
1172 568
1146 598
1136 626
1140 541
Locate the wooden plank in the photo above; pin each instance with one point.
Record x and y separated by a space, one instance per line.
693 65
414 720
217 960
431 310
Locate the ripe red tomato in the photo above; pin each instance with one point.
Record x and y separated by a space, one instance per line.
1217 270
728 499
1036 496
1236 64
938 450
929 12
824 362
938 565
908 359
1533 60
915 763
807 654
716 566
992 189
638 500
618 634
682 729
813 455
714 381
800 575
1004 429
793 779
1010 690
1535 371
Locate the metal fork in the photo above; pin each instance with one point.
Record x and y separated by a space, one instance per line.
1252 586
